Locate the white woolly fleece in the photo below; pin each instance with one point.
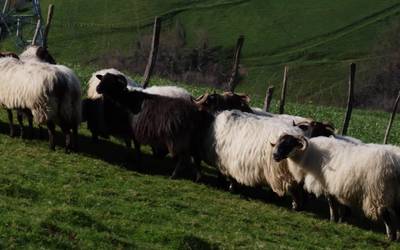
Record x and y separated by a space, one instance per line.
239 145
32 86
358 175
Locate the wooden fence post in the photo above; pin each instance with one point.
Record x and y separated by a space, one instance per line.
153 52
268 98
284 88
389 127
34 38
350 99
234 80
48 24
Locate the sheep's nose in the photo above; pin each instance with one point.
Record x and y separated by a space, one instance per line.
276 157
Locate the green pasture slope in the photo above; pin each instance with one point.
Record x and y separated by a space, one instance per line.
95 199
318 39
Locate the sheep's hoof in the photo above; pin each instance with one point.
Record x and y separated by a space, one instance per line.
391 236
296 206
174 176
198 177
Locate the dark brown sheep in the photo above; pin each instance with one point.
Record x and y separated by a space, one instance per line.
161 122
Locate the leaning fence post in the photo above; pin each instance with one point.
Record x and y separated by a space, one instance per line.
37 30
350 99
268 98
153 52
48 24
284 88
389 127
234 80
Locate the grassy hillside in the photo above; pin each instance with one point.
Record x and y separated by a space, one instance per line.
95 199
318 39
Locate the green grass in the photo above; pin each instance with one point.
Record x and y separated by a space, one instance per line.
318 39
93 199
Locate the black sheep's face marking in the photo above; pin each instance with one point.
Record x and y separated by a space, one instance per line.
111 84
287 146
45 55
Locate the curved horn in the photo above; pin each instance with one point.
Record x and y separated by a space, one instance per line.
201 99
304 143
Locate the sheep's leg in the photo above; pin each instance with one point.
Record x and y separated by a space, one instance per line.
75 138
343 212
21 123
181 164
389 218
30 122
67 133
138 154
10 122
51 127
41 132
333 208
298 196
197 164
159 153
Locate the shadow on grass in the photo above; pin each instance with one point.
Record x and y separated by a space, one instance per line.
117 154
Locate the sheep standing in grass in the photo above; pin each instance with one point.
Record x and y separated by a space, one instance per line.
237 144
105 118
33 54
159 121
51 92
364 176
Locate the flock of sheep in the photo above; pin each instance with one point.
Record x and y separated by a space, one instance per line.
248 146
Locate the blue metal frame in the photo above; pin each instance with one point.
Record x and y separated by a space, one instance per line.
11 21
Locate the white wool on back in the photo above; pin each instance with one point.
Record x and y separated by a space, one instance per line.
314 186
94 82
284 117
239 145
169 91
358 175
32 86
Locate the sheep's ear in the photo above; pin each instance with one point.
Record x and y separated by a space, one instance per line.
100 77
303 142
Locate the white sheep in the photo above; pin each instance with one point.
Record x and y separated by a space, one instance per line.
361 175
237 144
51 92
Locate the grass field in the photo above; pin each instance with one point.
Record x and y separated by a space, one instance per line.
95 199
98 199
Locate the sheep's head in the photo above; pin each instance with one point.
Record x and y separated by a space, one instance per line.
111 84
313 128
226 101
288 146
44 55
37 53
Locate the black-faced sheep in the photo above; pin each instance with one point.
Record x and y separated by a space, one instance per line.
104 118
365 176
236 143
159 121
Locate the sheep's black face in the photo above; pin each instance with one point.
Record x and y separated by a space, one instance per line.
111 85
45 55
286 146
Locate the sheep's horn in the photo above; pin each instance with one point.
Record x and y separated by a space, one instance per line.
201 99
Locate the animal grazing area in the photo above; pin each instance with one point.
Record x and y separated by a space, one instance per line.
161 125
